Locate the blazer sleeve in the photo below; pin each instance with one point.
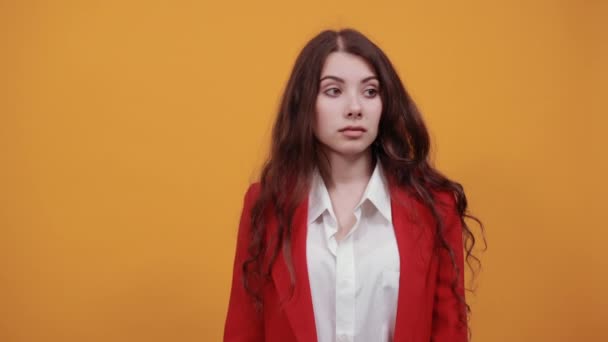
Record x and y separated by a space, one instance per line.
243 323
447 309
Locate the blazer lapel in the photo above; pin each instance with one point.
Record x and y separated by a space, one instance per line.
298 309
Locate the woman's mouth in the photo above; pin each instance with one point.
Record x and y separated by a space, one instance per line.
353 131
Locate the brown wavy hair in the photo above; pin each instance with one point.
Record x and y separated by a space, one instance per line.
402 146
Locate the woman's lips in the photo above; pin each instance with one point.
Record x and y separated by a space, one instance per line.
353 132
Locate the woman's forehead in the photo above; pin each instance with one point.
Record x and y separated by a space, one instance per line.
346 66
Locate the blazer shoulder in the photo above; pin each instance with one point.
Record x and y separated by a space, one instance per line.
445 198
253 191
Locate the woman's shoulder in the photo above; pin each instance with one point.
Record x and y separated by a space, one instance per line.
445 197
251 194
443 200
442 197
253 190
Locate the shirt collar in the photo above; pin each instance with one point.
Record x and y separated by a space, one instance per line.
318 200
376 191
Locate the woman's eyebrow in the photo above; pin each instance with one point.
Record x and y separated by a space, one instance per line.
338 79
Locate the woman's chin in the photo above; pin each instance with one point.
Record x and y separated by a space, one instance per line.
352 150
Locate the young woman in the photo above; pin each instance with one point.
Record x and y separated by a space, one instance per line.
350 234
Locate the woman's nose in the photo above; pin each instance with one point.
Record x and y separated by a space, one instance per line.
354 114
354 109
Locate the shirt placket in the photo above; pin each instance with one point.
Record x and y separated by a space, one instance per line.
345 290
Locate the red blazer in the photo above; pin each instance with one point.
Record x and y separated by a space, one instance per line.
427 310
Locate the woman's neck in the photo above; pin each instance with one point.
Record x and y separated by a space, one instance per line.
348 170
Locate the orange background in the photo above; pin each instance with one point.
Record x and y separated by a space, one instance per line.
129 131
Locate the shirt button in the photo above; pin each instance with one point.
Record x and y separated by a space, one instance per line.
343 338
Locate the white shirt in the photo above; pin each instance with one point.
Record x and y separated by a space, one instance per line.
354 283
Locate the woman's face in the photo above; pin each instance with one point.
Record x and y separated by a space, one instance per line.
348 105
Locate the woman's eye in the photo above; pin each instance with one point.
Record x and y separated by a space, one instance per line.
332 91
371 92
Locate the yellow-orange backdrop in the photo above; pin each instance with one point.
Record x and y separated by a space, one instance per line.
130 130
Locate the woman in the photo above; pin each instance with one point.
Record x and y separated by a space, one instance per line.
351 234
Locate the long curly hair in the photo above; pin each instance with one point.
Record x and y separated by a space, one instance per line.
402 146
